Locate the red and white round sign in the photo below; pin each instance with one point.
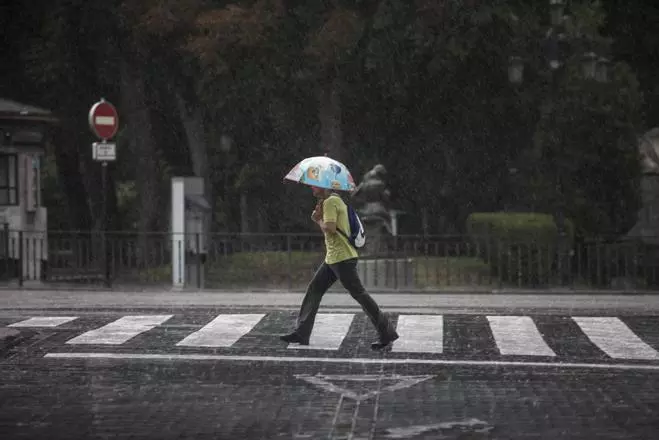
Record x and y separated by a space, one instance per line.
103 119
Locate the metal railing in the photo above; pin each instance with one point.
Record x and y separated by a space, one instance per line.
288 261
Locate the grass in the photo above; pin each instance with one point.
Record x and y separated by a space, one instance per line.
271 270
257 269
451 271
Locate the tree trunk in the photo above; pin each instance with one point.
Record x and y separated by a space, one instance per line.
244 213
330 118
67 160
195 132
143 148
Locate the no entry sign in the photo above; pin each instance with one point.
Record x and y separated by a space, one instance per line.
103 119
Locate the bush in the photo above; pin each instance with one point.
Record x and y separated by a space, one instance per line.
519 247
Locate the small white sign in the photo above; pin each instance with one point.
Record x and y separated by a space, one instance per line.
104 152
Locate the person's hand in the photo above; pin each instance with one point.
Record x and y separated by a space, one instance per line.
317 214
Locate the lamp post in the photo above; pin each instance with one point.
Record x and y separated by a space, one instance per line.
593 67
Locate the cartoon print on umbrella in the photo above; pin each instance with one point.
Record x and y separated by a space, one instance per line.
323 172
337 170
313 173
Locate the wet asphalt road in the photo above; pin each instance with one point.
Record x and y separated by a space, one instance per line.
148 387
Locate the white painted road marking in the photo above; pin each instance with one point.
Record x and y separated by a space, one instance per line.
383 383
328 332
614 338
412 431
44 321
333 360
513 335
518 335
104 120
121 330
223 331
420 334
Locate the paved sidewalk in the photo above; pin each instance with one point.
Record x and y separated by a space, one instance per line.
432 302
337 288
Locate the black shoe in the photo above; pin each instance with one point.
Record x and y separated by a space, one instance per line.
384 342
294 338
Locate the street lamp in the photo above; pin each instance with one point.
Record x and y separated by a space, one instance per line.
516 70
557 8
602 70
590 65
225 143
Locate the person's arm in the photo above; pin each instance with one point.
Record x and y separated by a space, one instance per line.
327 226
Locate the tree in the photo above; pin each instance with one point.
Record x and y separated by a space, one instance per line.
636 43
417 85
587 131
69 64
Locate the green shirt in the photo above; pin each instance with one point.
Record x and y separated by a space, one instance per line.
338 247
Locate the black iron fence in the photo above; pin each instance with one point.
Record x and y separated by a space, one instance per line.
287 261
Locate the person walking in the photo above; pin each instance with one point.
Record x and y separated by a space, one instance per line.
331 216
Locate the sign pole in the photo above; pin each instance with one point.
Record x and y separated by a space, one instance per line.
104 224
104 123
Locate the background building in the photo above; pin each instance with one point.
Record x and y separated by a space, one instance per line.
24 132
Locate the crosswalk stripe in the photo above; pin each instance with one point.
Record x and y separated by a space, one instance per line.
512 335
44 321
615 339
419 334
121 330
223 331
329 331
518 335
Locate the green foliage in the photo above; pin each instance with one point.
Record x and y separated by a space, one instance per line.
267 269
635 45
433 272
519 247
423 90
271 267
52 196
589 138
127 200
515 228
584 140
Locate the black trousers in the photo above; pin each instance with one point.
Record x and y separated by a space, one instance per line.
323 279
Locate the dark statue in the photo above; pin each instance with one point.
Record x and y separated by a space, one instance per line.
371 199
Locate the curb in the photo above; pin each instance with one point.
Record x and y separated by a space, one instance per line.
374 290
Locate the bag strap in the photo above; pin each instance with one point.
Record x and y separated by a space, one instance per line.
337 226
347 238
